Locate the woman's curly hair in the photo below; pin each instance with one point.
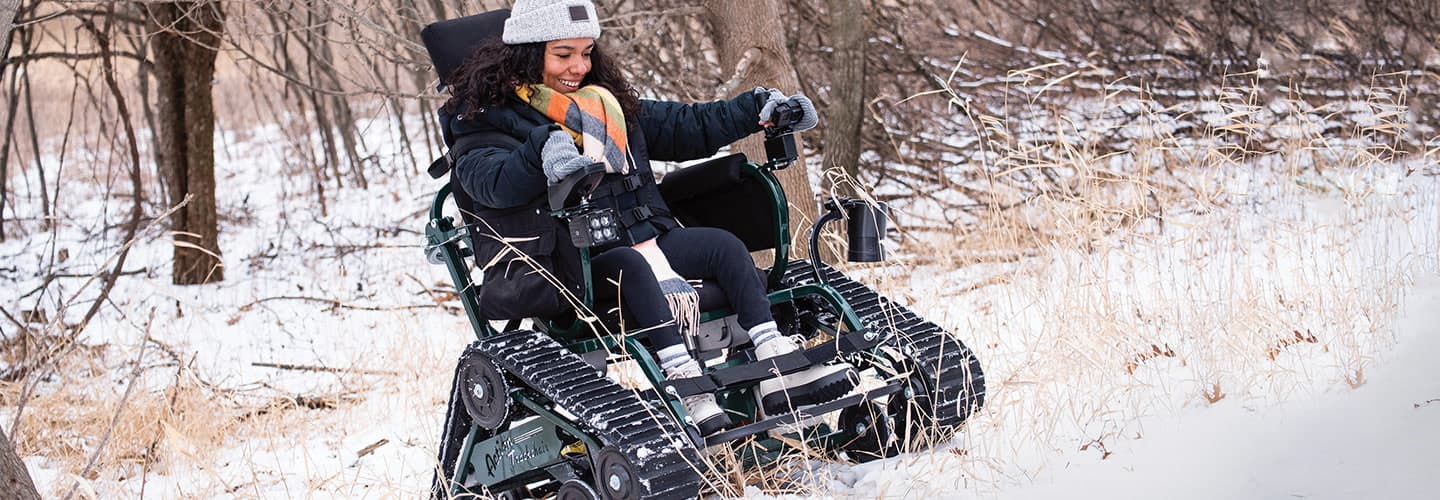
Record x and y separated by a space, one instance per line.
490 76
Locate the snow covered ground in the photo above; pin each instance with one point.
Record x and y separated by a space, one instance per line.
1281 349
1380 440
1274 339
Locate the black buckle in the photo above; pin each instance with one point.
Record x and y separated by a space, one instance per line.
633 182
641 213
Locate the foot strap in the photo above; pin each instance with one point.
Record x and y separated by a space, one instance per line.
764 369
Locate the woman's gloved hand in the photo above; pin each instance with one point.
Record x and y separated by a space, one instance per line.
560 157
773 97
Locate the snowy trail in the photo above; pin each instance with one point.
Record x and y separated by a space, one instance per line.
307 294
1369 442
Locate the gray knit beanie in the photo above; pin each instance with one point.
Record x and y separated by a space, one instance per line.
546 20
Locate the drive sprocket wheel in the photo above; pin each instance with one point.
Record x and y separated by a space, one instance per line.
576 489
485 393
615 476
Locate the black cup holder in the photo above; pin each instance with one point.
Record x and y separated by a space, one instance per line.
865 229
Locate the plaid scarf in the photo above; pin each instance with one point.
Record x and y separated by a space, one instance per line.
593 117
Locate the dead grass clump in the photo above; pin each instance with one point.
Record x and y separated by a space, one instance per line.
1155 352
68 422
728 475
1275 349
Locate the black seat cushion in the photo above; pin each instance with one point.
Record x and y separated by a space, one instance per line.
719 194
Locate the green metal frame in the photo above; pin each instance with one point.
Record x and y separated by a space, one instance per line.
538 433
449 244
444 240
781 221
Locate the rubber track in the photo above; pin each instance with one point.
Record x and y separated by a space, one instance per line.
616 415
952 370
452 437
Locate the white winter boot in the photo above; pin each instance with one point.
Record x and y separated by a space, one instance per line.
815 385
703 410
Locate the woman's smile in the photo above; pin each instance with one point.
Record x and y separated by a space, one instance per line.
567 62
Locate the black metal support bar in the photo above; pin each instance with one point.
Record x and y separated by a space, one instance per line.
831 214
801 414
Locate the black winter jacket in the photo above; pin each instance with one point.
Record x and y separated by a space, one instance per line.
504 186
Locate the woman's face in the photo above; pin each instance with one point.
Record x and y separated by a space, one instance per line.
567 62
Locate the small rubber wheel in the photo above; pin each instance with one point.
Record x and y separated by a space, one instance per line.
486 394
615 476
913 414
576 489
869 426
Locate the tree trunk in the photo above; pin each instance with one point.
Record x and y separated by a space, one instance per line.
439 10
13 96
186 37
846 111
144 77
318 100
15 482
749 32
48 203
8 8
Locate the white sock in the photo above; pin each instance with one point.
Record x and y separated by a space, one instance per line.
673 357
764 332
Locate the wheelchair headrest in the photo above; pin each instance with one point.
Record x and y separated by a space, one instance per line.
450 42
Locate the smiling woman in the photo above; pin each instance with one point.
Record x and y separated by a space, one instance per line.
566 63
544 102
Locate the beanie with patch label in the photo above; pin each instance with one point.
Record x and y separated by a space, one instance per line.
545 20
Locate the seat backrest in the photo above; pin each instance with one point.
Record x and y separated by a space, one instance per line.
451 41
718 193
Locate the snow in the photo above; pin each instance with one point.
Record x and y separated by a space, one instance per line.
1381 440
1076 409
1317 438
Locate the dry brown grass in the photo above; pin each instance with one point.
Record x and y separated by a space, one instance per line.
1184 271
170 417
228 438
1141 283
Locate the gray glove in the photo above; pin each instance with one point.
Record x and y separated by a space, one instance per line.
773 97
561 158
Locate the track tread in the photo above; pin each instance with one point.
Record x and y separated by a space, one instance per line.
958 383
658 447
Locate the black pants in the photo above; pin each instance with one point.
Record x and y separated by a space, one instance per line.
694 253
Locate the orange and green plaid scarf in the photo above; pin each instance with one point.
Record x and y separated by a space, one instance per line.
592 116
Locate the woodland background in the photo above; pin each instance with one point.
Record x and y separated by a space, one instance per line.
1001 128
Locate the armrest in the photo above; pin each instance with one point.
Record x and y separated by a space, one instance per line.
577 185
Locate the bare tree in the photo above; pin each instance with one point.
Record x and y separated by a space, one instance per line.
186 38
750 39
846 112
15 480
7 19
